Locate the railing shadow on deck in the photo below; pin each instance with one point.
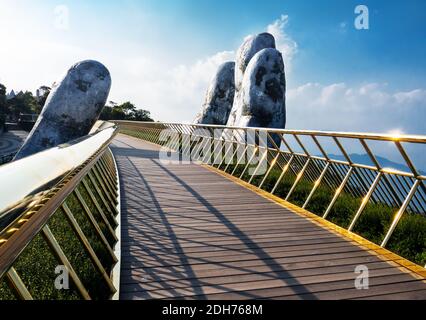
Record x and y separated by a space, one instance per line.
143 195
385 205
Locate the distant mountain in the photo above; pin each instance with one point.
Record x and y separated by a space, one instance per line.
365 159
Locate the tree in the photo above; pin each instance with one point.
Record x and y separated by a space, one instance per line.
141 115
2 105
42 94
2 96
124 111
23 102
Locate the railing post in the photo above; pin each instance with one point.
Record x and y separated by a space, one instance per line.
56 248
287 166
400 213
17 284
316 185
271 166
365 201
338 191
87 246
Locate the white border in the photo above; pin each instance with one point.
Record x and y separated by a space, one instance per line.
117 248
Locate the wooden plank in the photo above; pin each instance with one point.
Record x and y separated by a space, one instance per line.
410 295
254 266
141 254
247 265
188 233
196 265
353 293
228 241
248 236
181 280
154 260
309 291
184 228
246 247
284 286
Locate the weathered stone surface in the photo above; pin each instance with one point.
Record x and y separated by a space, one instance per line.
262 97
247 50
219 97
71 109
245 53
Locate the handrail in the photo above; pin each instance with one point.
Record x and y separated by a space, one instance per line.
24 178
11 249
286 170
33 189
354 135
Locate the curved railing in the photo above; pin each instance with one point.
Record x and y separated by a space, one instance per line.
385 205
58 222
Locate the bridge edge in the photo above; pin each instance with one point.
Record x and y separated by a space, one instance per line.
116 271
402 263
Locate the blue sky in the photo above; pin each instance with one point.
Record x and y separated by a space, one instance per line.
394 47
162 54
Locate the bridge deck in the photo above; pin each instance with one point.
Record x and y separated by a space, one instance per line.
189 233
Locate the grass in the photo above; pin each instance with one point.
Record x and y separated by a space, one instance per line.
408 239
139 135
5 292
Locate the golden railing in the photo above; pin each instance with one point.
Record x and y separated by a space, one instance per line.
314 180
60 208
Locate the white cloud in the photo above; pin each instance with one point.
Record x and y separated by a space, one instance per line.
284 42
171 93
176 93
343 27
413 97
37 53
199 74
187 84
371 107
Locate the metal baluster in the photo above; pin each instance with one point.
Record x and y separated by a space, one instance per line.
400 213
98 207
287 166
95 224
365 201
109 206
87 246
18 286
337 193
57 250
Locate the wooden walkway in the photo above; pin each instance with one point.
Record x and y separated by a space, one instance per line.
189 233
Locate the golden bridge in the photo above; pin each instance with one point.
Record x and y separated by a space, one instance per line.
140 210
